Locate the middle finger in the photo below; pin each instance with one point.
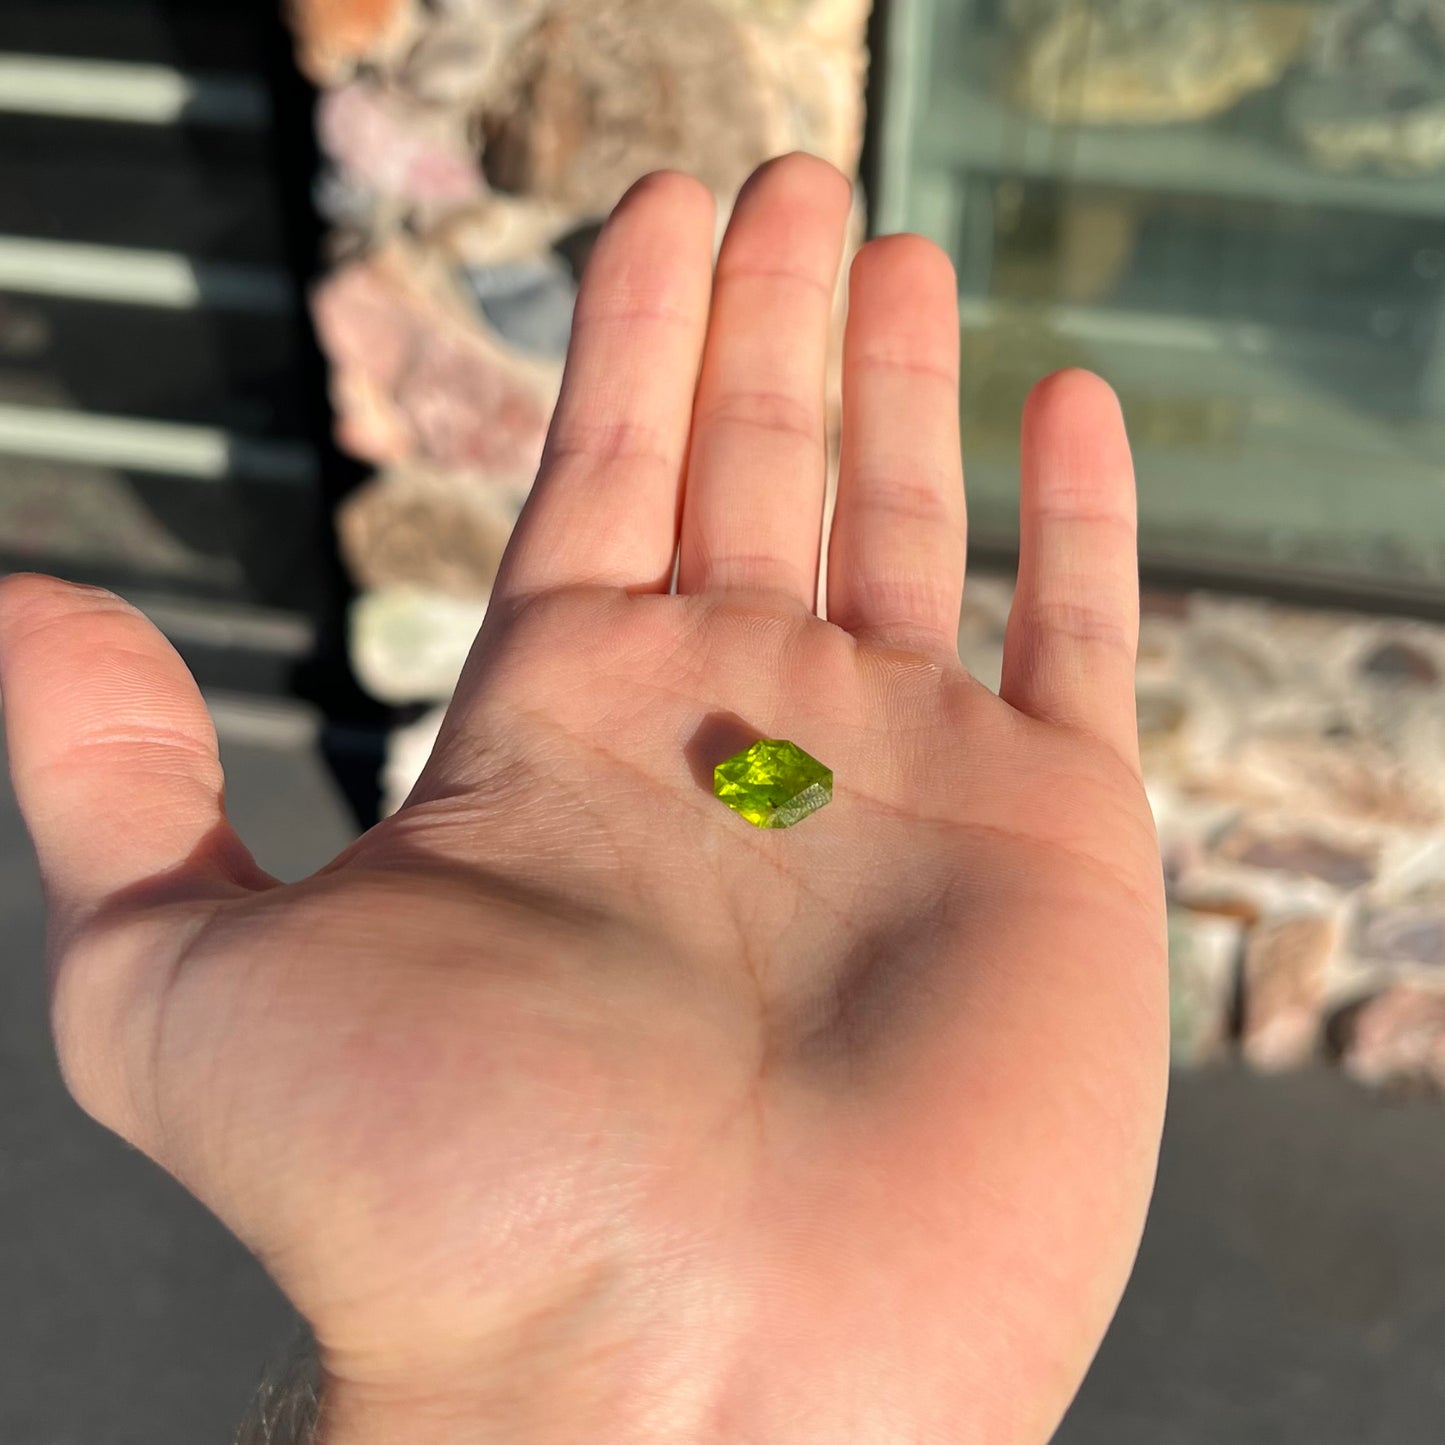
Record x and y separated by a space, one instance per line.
753 503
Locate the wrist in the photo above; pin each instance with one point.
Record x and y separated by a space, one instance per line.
284 1406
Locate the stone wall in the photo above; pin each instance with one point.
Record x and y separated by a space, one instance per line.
1294 759
473 148
1294 765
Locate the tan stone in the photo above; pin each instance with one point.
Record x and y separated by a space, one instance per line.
815 80
460 57
1149 61
1396 1038
446 531
333 35
834 20
1340 863
1223 904
1347 777
1285 968
1199 880
603 91
775 12
501 228
1403 935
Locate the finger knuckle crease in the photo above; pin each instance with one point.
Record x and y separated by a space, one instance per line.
769 411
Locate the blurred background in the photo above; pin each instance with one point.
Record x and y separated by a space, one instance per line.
284 296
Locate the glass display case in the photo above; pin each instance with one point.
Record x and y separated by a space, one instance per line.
1232 209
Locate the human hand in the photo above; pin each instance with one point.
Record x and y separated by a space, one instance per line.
566 1105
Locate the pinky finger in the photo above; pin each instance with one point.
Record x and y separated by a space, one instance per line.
1073 632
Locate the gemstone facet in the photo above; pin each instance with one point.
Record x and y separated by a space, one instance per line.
773 784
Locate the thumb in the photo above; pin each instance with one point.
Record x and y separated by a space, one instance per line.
112 752
116 769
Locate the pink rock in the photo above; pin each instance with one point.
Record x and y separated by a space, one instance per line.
363 322
467 408
411 382
1285 964
367 421
1397 1038
380 144
603 91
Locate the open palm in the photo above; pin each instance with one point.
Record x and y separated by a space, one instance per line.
565 1104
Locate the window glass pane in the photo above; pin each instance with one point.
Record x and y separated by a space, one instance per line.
1235 212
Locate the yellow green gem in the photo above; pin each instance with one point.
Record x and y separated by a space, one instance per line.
773 784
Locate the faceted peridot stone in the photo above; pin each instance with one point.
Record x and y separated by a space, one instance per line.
773 784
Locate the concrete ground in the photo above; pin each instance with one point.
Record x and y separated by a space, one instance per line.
1290 1291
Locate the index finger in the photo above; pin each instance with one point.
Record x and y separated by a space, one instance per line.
604 509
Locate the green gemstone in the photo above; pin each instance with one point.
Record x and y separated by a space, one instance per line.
773 784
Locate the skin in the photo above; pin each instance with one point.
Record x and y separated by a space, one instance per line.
565 1104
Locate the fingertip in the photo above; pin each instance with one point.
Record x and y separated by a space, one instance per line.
665 213
671 190
23 589
32 599
818 182
903 310
907 253
1071 391
804 167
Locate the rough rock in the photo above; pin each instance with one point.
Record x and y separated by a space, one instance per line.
830 20
528 304
333 35
443 531
460 59
1373 93
501 228
1343 865
396 151
469 407
413 381
1285 968
1204 953
1142 62
778 12
1348 777
603 91
1403 935
1401 664
408 644
1396 1039
815 73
